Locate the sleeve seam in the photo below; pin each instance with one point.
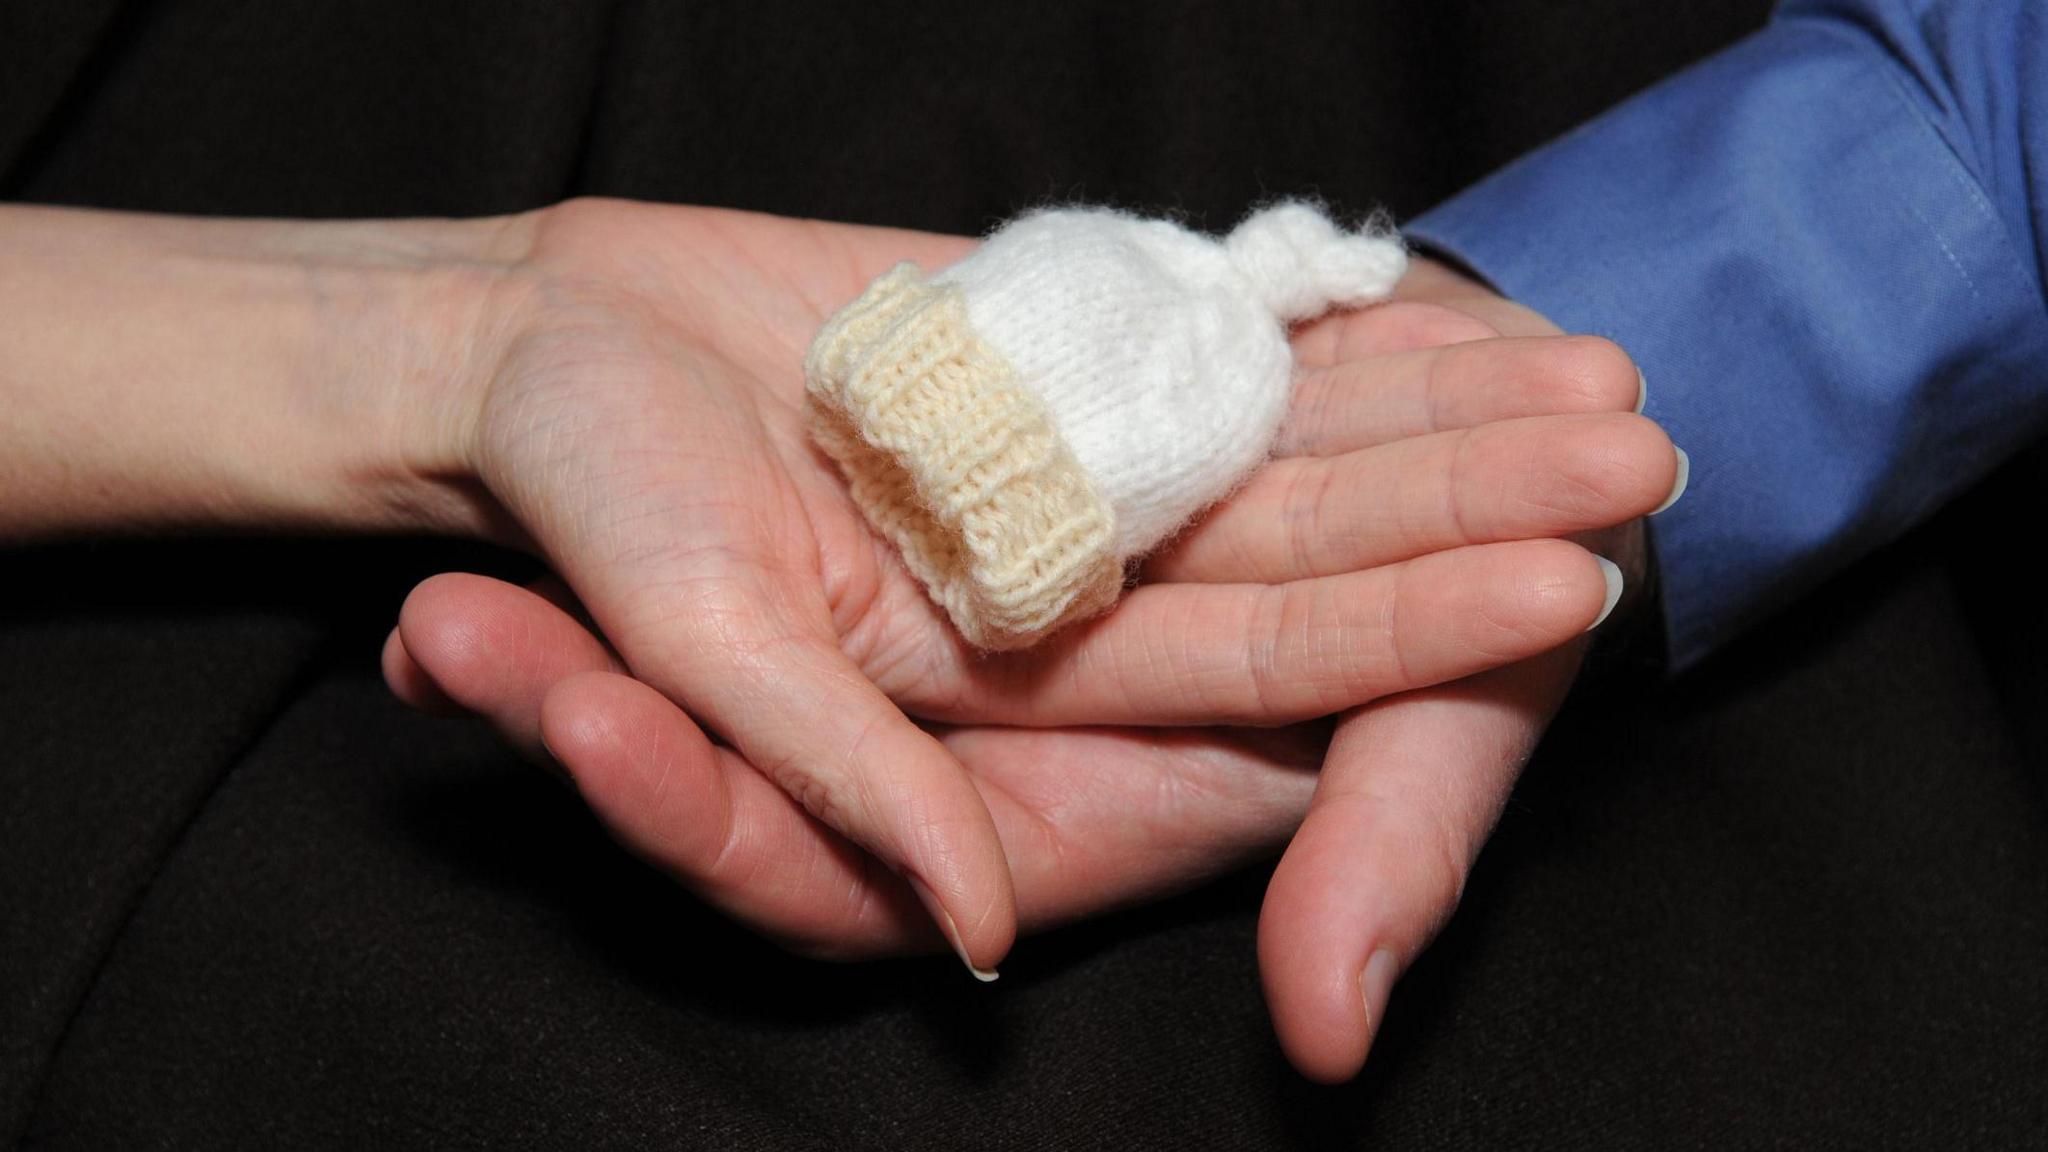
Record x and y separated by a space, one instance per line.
1959 170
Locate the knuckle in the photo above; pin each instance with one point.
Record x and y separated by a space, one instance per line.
1461 493
1332 655
1315 413
1304 516
1392 633
1223 683
821 796
1275 616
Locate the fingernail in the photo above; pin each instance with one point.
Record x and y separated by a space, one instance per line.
1642 392
1678 485
1376 983
1610 572
944 919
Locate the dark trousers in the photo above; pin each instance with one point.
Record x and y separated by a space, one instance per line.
1798 899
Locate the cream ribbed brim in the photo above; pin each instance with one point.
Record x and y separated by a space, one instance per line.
955 462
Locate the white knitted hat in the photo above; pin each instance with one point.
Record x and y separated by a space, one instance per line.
1065 398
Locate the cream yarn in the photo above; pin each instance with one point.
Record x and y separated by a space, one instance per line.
1068 396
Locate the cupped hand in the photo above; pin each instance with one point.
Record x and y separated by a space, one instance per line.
639 419
1090 818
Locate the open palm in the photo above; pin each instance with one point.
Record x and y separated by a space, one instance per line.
641 424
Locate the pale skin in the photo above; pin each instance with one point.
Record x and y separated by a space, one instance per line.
616 387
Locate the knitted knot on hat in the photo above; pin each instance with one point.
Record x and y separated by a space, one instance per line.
1065 398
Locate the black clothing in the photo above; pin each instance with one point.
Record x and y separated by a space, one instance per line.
247 900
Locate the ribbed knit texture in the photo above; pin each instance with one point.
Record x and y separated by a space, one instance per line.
1068 396
956 463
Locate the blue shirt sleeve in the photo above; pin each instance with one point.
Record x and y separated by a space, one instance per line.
1824 246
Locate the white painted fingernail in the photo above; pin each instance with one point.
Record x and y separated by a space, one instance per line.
944 918
1678 485
1611 572
1642 392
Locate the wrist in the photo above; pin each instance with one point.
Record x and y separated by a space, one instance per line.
166 373
412 319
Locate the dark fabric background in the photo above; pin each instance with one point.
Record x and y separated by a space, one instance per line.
1797 900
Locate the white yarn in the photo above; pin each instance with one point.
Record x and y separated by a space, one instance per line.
1161 354
1300 264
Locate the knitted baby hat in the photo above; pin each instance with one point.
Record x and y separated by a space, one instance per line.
1062 400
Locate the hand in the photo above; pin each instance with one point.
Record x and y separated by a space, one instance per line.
638 417
1412 784
615 385
1090 818
1418 392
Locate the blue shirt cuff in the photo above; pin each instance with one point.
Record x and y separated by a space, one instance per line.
1833 321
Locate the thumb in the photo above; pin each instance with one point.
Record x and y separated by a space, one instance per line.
1410 789
779 688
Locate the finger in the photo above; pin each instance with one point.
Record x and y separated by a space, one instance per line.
1100 818
703 815
739 652
1396 326
410 682
495 649
525 664
1360 403
1275 654
1095 819
1513 480
1091 819
499 650
692 551
1409 792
